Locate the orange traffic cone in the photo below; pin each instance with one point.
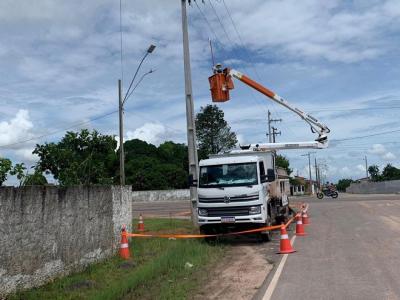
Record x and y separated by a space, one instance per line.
305 218
299 226
124 248
285 247
140 226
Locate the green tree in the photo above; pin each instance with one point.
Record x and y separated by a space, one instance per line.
156 168
282 162
79 158
373 170
213 132
343 184
390 173
19 171
36 178
5 168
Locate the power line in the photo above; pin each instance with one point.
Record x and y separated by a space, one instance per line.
254 99
205 18
365 136
120 29
58 131
252 62
220 22
74 125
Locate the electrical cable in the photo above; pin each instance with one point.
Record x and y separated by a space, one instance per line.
58 131
284 125
120 29
220 22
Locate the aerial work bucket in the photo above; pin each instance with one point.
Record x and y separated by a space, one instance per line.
220 84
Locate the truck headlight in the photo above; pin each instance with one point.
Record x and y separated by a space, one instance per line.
255 210
203 212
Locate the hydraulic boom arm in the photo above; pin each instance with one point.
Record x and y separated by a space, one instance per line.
221 82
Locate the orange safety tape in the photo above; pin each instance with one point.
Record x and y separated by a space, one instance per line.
190 236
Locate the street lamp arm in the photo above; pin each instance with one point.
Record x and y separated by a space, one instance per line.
134 76
137 84
149 50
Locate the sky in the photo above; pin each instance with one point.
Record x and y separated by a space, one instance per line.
338 60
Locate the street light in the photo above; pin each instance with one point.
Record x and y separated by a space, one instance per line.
122 100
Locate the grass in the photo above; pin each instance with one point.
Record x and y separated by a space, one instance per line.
157 270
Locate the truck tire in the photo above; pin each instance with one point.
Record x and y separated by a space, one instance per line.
211 239
266 236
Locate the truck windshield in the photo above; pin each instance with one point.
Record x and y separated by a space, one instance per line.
228 175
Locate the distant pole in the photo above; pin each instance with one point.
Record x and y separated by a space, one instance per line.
309 170
269 127
316 172
366 166
272 131
121 136
275 132
191 127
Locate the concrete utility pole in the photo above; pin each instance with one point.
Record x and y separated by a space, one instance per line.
316 171
271 136
309 170
191 127
121 136
366 166
275 132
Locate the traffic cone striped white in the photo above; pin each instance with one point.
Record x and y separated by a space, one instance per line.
285 246
141 223
305 218
124 248
299 226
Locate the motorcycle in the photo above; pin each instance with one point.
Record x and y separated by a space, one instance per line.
328 193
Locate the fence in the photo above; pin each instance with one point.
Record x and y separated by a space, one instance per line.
368 187
46 232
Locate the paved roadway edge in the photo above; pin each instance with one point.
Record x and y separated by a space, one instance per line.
271 276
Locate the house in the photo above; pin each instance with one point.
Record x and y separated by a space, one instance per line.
298 186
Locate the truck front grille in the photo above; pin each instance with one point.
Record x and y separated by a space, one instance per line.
242 198
228 211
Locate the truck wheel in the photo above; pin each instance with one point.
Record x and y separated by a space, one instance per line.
211 239
266 236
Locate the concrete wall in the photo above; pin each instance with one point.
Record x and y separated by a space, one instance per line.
46 232
162 195
383 187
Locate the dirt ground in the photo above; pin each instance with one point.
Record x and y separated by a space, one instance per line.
241 272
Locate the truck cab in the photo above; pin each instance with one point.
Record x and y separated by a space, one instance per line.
239 190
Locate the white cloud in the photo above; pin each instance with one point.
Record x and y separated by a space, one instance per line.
153 133
26 155
361 168
382 152
18 128
378 149
389 156
316 29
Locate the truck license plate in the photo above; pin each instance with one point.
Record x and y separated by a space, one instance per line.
228 220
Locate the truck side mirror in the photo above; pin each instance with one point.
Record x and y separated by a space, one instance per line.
264 178
271 175
192 182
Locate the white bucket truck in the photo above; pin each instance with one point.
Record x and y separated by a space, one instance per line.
240 190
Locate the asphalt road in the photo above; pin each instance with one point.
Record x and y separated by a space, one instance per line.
352 251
